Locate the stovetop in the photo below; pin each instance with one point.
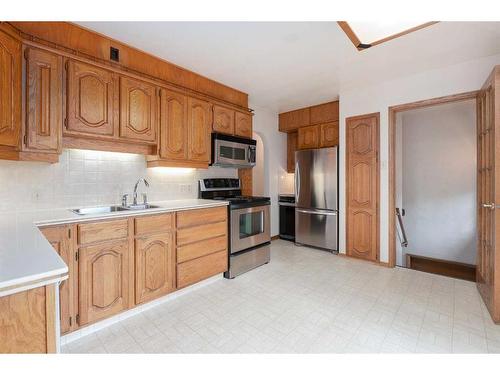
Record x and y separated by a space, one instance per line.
228 189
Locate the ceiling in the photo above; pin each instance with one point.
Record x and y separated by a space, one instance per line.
288 65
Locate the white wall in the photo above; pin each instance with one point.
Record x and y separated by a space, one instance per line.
86 178
379 97
438 187
265 124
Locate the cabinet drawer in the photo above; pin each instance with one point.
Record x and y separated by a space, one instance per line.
201 232
102 231
152 224
201 268
199 217
201 248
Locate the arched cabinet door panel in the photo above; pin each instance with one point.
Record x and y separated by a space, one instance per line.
199 127
173 125
223 120
243 125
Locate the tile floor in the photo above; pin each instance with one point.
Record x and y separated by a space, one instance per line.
310 301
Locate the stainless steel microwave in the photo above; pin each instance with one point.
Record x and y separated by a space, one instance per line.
231 151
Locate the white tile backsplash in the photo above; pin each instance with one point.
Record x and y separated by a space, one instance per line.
86 178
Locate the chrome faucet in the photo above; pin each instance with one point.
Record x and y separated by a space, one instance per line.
144 196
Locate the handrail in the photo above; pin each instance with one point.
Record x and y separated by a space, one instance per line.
402 237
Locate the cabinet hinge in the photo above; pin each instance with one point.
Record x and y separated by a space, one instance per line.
66 123
25 139
76 255
69 232
70 321
77 318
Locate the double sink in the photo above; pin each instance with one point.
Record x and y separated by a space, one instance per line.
109 209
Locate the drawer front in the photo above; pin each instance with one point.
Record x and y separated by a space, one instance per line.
201 268
153 224
102 231
201 248
199 217
201 232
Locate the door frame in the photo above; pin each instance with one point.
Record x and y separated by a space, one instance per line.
393 111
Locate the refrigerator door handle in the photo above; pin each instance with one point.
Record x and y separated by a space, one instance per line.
297 181
327 213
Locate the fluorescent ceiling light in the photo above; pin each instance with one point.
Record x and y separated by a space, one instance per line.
367 34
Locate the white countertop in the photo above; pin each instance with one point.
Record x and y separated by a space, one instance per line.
27 259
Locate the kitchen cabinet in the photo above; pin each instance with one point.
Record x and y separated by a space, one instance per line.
199 130
154 257
291 147
329 134
326 112
293 120
173 126
138 117
91 95
308 137
223 121
60 239
243 125
10 91
44 108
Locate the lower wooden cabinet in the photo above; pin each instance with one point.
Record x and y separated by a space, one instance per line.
104 280
201 268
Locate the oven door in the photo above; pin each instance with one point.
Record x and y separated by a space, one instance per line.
233 154
249 227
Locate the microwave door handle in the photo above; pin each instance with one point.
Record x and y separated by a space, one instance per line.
249 157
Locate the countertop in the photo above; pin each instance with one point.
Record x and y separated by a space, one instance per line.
27 260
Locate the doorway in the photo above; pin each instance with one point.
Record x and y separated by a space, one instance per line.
433 223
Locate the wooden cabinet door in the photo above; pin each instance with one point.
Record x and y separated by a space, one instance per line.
173 126
329 134
199 128
90 100
290 152
293 120
154 264
362 179
103 280
326 112
138 101
308 137
43 100
223 121
59 238
243 125
10 90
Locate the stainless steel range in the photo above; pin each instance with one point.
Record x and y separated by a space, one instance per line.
249 224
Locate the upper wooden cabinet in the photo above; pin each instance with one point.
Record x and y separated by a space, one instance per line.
291 147
138 103
329 134
199 130
90 100
173 125
223 120
308 137
10 91
243 124
43 101
291 121
325 113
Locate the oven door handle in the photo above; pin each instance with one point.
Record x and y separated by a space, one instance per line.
286 204
327 213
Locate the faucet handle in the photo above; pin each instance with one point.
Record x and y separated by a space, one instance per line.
124 200
144 199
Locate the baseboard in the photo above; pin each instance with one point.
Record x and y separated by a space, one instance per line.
379 263
87 330
441 267
277 237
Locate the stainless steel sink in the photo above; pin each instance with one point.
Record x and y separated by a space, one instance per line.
141 206
99 210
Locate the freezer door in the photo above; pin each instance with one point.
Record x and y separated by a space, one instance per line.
316 228
316 178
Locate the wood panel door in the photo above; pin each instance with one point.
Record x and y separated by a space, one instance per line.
103 280
173 126
291 147
243 125
329 134
59 238
308 137
91 96
488 195
362 180
199 130
44 114
138 103
154 265
10 90
223 120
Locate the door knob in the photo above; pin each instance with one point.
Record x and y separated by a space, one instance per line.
491 206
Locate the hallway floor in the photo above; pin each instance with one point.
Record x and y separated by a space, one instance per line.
310 301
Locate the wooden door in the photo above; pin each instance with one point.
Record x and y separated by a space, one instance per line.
488 196
223 121
91 95
138 103
59 238
329 134
291 147
243 125
362 180
173 126
199 128
308 137
44 116
153 267
10 90
103 280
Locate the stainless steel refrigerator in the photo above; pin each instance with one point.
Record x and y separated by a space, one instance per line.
316 198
